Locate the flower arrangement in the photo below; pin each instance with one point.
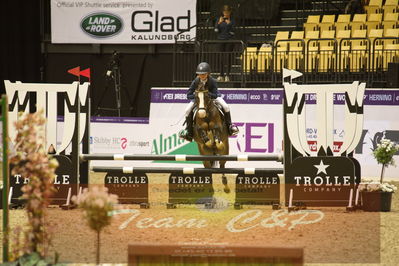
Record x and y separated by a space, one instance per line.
384 153
373 186
96 203
32 161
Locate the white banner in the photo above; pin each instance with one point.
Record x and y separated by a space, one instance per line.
130 21
259 115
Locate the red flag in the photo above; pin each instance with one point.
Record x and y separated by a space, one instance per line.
74 71
85 73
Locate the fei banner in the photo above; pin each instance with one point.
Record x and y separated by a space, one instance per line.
130 21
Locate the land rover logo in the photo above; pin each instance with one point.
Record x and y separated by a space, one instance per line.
101 25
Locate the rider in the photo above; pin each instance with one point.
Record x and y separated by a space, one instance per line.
204 79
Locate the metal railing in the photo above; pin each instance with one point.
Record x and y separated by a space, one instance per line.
324 60
223 56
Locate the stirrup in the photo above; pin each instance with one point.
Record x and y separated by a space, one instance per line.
233 130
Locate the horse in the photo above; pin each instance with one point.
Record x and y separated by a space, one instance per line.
210 131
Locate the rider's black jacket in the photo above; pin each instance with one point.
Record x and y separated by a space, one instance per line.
210 85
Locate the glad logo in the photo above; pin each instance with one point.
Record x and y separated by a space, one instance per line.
101 25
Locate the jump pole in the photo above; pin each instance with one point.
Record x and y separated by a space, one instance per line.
187 170
180 157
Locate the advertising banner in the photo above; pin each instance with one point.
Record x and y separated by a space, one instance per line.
259 115
131 21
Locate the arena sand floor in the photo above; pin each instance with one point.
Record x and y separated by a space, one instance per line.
330 236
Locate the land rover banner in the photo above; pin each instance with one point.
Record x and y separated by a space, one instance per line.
130 21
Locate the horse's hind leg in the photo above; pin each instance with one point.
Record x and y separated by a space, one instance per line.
224 178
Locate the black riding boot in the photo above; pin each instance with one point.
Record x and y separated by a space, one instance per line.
233 130
188 134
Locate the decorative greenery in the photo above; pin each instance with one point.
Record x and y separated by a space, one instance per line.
384 153
32 161
377 186
96 204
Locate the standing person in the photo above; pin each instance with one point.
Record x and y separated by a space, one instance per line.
204 79
224 28
355 7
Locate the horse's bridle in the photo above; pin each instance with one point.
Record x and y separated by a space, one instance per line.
201 104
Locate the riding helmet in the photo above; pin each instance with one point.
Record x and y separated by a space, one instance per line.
203 68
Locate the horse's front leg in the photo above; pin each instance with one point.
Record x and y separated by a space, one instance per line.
218 140
226 188
220 146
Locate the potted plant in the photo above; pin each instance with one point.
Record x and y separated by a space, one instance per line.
29 244
377 196
96 204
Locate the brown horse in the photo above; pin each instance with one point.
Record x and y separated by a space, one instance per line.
210 131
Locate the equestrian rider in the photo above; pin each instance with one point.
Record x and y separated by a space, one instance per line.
204 79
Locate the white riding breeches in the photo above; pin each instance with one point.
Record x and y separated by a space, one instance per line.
218 100
189 107
221 102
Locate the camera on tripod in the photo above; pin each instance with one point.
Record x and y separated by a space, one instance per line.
113 76
113 65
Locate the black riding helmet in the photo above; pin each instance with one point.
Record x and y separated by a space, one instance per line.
203 68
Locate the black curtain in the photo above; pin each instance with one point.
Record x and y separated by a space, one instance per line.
21 60
139 73
20 57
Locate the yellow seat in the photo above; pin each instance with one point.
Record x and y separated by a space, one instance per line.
376 49
326 26
327 52
391 2
295 54
358 22
390 6
373 34
391 47
343 49
327 23
264 59
391 33
296 45
358 53
281 48
344 18
249 58
391 16
312 23
310 26
374 6
312 49
341 26
373 22
390 21
313 19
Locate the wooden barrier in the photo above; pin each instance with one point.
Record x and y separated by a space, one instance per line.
211 254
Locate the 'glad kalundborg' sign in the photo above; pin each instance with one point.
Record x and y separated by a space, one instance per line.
321 175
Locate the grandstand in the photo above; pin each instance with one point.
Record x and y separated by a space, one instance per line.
316 38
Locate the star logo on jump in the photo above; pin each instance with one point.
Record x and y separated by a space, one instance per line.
321 168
